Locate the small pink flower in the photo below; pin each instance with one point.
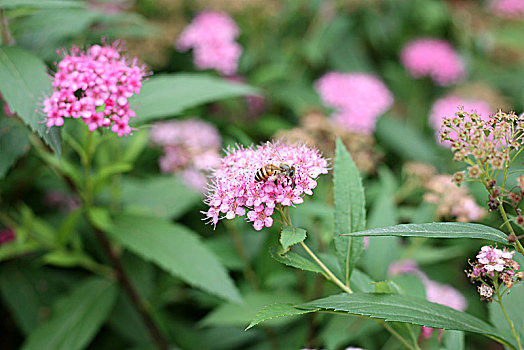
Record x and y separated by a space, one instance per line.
212 36
512 9
434 58
7 235
446 107
94 85
359 99
190 148
234 191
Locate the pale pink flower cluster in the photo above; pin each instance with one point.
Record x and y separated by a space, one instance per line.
513 9
443 294
494 265
359 99
234 191
95 85
191 149
212 36
452 201
446 107
435 58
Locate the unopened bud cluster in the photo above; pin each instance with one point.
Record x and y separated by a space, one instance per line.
494 267
488 146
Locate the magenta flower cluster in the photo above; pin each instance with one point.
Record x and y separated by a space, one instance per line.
511 9
95 85
448 106
212 36
234 191
191 149
435 58
359 99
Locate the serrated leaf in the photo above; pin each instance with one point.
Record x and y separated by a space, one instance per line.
176 249
437 230
76 318
277 310
164 196
14 142
169 94
350 211
290 236
235 314
408 309
23 85
293 259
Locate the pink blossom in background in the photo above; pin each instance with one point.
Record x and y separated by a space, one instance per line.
446 107
63 201
212 36
359 99
435 58
7 235
234 192
95 85
443 294
512 9
191 149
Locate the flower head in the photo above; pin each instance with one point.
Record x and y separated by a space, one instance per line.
212 36
190 149
494 266
95 85
359 99
235 190
448 106
511 9
434 58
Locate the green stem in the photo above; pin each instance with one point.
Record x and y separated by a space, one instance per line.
398 336
324 268
7 38
518 245
515 335
240 248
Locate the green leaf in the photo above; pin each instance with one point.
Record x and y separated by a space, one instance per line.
76 318
290 236
23 85
350 211
404 140
293 259
170 94
277 310
14 142
437 230
40 3
453 340
405 308
164 196
235 314
516 314
176 249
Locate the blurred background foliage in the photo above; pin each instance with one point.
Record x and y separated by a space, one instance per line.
287 45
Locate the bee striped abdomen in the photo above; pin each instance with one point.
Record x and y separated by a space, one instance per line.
265 172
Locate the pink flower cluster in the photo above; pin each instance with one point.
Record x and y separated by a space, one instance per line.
7 235
434 58
234 191
359 99
95 85
513 9
435 292
212 36
191 149
446 107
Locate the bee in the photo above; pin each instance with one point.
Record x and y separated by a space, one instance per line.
269 170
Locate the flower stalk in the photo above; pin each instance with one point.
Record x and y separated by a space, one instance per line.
510 322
